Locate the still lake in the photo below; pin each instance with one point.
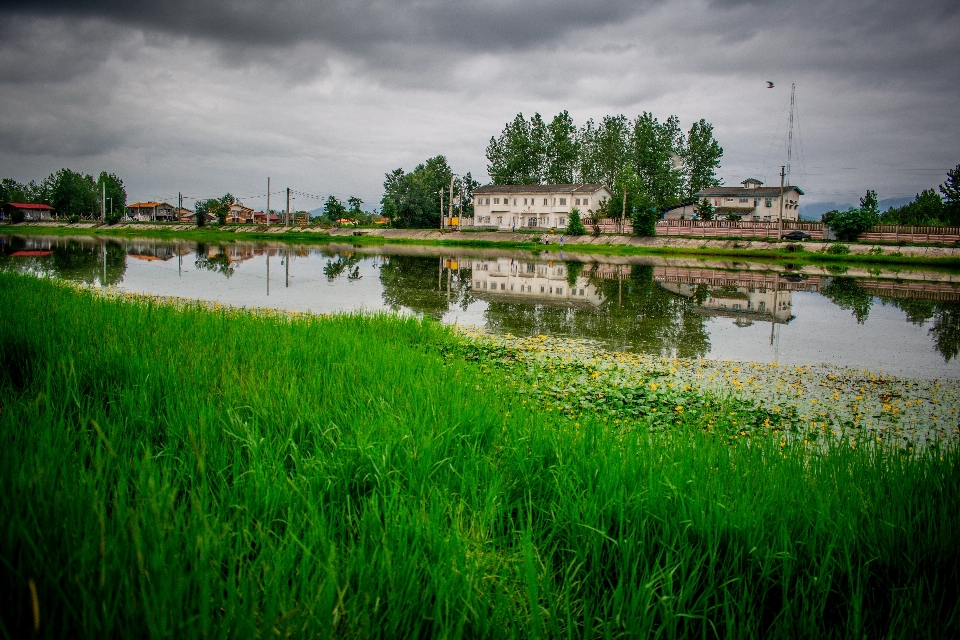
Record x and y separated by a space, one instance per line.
904 321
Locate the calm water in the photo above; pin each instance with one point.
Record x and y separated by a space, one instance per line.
906 323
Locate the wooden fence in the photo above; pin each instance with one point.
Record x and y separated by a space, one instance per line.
899 233
737 228
769 230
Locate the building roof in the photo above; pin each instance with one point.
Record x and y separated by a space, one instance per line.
741 191
539 188
27 205
151 205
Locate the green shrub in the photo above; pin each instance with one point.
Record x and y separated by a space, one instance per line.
73 219
838 249
16 216
849 224
575 225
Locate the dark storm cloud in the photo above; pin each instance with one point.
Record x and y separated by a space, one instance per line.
357 25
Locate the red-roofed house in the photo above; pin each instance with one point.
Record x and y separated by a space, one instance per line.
30 211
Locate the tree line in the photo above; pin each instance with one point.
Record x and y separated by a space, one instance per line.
646 164
411 200
72 194
929 208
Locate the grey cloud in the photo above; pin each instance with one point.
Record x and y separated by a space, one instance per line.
354 26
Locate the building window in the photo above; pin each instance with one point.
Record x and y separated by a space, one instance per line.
586 201
744 199
514 201
577 202
554 202
544 202
499 219
559 290
769 202
581 291
563 202
496 201
488 201
524 201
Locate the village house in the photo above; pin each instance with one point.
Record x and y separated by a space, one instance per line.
239 214
152 211
752 201
29 211
534 206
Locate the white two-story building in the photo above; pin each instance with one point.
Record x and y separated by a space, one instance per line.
534 206
752 201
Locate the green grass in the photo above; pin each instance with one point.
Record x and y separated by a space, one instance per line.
228 234
184 472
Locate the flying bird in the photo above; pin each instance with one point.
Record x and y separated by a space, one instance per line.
769 84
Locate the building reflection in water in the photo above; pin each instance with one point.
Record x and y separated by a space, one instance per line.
536 282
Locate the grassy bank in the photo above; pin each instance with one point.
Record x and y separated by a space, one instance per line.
890 255
182 472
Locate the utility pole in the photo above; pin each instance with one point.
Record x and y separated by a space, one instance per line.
287 262
450 217
441 209
460 219
286 222
268 210
623 215
793 93
783 170
103 203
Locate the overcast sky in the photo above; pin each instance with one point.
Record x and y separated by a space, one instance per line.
209 96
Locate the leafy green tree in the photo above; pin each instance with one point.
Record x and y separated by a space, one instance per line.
951 195
609 149
926 209
575 224
849 224
412 200
637 206
701 157
705 209
333 210
116 204
465 188
354 210
562 150
73 194
869 204
201 210
515 157
221 207
31 192
654 146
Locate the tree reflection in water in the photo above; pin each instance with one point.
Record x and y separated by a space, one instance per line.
69 259
344 263
946 322
219 262
848 294
636 314
416 283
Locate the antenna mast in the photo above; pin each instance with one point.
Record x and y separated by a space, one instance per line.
793 93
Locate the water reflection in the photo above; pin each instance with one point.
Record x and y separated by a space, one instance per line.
669 306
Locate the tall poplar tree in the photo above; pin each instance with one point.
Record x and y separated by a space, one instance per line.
701 157
562 150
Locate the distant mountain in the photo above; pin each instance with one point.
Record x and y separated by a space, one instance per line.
814 210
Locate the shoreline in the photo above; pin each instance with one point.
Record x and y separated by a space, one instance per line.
607 245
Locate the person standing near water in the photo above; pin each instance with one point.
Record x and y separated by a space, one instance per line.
561 239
